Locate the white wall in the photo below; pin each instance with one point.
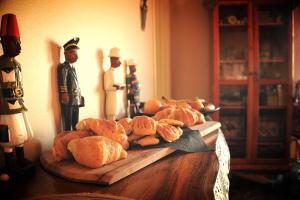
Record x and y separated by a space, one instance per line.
100 24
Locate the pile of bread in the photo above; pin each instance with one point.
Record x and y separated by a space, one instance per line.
98 142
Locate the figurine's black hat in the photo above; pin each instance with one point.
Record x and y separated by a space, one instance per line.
72 44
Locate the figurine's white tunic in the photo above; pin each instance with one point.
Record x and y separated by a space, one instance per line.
16 127
17 124
113 96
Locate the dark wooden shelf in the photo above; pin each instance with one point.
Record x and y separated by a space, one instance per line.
272 107
272 81
272 60
233 107
233 61
268 143
233 25
233 82
235 141
271 24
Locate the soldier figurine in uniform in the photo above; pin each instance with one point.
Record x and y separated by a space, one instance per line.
68 86
133 88
14 125
113 86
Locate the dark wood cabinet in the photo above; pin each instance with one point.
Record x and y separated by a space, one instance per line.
253 80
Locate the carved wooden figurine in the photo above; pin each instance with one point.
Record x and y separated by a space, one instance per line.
14 126
113 87
68 86
133 88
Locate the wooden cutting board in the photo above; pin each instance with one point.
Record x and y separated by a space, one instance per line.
108 174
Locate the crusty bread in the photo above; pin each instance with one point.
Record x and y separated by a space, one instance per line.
96 151
172 122
108 128
148 140
143 125
166 113
127 124
186 115
168 132
100 126
60 143
133 137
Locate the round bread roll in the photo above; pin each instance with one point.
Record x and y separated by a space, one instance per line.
143 125
152 106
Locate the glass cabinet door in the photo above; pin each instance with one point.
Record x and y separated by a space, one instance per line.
273 74
233 68
233 117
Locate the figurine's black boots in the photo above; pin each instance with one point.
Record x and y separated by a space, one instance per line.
25 166
9 165
16 166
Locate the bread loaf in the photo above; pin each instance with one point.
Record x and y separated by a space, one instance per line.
172 122
187 116
60 143
108 128
96 151
167 113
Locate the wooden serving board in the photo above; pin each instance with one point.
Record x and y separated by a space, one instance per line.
108 174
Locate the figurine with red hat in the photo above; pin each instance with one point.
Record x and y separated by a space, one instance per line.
14 125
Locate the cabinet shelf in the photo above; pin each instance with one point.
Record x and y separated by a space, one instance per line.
233 61
272 82
272 107
233 25
272 60
233 82
235 141
267 143
272 24
233 107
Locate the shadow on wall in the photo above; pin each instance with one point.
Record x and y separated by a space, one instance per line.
100 88
54 106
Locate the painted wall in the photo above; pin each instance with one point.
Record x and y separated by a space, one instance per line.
191 49
101 24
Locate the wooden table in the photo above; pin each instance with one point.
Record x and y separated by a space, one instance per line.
177 176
